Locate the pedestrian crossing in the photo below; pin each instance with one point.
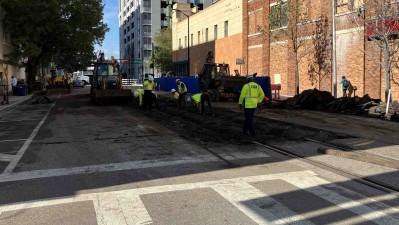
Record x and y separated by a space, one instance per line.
242 194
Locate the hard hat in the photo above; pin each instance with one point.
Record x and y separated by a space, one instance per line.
249 77
173 90
150 78
177 80
136 94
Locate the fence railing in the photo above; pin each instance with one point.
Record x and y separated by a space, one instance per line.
130 81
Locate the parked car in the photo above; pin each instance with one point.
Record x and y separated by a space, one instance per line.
78 83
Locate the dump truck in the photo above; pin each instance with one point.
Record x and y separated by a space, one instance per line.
106 85
220 84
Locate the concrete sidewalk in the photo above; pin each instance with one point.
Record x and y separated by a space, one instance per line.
14 100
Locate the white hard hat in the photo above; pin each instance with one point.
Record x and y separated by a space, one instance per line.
150 78
136 94
173 90
177 80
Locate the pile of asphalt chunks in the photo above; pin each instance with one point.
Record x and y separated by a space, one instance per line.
313 99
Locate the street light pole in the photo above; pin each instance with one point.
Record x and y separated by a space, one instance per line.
188 40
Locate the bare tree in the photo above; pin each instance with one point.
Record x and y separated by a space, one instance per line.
378 21
321 64
288 23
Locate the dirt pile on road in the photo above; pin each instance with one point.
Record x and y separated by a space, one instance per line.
324 101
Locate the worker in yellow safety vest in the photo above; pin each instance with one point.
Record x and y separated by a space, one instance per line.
251 96
147 98
174 96
182 89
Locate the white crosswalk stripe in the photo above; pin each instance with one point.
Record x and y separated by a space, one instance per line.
126 206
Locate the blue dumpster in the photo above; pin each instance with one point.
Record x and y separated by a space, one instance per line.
21 90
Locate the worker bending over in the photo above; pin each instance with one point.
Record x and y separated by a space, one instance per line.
251 96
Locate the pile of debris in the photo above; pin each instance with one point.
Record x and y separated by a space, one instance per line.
40 98
324 101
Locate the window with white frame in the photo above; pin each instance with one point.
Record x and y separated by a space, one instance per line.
215 32
278 16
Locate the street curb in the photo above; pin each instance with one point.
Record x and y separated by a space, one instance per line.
363 157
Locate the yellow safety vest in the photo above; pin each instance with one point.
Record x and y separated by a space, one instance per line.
196 98
252 93
140 93
182 90
148 85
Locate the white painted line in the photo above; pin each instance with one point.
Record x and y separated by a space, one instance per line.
110 206
133 209
36 174
25 146
6 157
108 210
12 140
249 200
155 189
369 211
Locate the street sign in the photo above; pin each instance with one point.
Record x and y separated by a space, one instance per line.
136 61
240 61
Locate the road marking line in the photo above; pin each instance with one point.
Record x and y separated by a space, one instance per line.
250 200
134 209
13 140
25 146
35 174
236 190
6 157
367 209
108 210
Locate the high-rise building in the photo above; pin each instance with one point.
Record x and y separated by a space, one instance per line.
139 21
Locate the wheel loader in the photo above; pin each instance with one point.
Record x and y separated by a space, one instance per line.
220 84
106 85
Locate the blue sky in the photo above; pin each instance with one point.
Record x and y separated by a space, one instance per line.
110 45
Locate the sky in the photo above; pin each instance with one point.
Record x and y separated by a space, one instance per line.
110 44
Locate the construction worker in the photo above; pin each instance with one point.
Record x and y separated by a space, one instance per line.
175 96
147 98
205 98
251 97
182 89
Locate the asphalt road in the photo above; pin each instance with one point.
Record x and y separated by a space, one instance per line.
73 162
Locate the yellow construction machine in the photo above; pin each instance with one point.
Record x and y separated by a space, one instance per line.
106 86
58 82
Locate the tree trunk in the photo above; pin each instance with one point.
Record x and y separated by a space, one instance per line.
387 71
31 73
296 74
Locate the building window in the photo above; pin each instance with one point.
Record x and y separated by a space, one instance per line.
199 37
215 32
179 43
206 35
192 40
185 41
226 28
342 6
278 17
